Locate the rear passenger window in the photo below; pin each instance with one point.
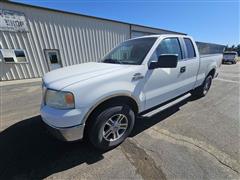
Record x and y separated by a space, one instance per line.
190 48
168 46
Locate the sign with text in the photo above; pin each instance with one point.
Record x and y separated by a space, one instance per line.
12 21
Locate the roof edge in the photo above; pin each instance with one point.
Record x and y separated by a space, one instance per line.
89 16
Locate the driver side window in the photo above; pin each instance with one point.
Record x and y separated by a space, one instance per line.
167 46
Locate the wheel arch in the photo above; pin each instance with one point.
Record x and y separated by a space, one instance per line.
212 72
103 103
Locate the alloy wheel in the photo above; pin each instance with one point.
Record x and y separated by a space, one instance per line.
115 127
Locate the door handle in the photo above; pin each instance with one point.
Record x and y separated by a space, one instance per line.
183 69
137 76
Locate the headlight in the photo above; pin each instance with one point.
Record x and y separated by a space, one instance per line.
59 99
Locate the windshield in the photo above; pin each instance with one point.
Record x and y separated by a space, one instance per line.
130 52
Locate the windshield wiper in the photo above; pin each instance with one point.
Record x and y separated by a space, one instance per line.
114 61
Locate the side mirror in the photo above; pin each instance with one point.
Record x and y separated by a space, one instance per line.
165 61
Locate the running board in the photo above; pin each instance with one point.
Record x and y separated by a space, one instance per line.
165 106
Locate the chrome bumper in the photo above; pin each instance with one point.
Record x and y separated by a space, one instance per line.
67 134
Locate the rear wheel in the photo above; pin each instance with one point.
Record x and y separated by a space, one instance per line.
111 126
202 90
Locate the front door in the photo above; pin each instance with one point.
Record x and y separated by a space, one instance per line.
53 59
163 84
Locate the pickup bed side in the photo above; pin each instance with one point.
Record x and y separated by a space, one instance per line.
208 63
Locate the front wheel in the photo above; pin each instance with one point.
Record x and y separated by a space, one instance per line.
111 127
202 90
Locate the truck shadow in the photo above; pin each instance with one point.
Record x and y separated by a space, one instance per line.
28 152
143 123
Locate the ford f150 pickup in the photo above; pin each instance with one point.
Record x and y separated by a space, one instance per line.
100 100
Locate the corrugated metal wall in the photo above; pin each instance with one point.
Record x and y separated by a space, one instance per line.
79 39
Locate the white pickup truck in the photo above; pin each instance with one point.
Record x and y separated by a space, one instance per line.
100 100
230 56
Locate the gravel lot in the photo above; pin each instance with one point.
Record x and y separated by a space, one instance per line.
194 139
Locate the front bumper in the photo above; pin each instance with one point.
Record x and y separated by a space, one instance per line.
66 125
66 134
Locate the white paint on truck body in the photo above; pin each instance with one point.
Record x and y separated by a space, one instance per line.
92 83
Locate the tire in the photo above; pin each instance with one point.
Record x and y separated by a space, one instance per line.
202 90
106 126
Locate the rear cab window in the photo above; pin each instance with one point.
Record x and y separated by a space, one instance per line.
191 53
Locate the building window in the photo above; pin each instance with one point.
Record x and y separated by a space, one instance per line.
20 56
13 55
53 57
9 60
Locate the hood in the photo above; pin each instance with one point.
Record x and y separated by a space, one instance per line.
63 77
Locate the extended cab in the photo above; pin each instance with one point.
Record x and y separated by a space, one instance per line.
100 100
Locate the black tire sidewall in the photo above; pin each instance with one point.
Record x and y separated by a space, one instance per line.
204 94
95 133
199 91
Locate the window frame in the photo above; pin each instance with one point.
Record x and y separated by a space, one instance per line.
179 43
12 55
46 51
186 50
24 52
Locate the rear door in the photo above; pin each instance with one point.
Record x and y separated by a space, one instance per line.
190 62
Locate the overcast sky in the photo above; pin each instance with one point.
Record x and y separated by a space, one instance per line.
208 21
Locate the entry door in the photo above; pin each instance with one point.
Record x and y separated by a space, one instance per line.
163 84
53 59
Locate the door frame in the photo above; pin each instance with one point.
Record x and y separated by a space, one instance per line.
46 57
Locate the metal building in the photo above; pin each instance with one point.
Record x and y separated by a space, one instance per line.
35 40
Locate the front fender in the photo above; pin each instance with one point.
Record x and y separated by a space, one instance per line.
94 94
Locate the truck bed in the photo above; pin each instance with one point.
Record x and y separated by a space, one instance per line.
206 62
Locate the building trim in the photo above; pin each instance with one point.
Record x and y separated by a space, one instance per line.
88 16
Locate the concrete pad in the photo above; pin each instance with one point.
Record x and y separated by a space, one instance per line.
193 139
